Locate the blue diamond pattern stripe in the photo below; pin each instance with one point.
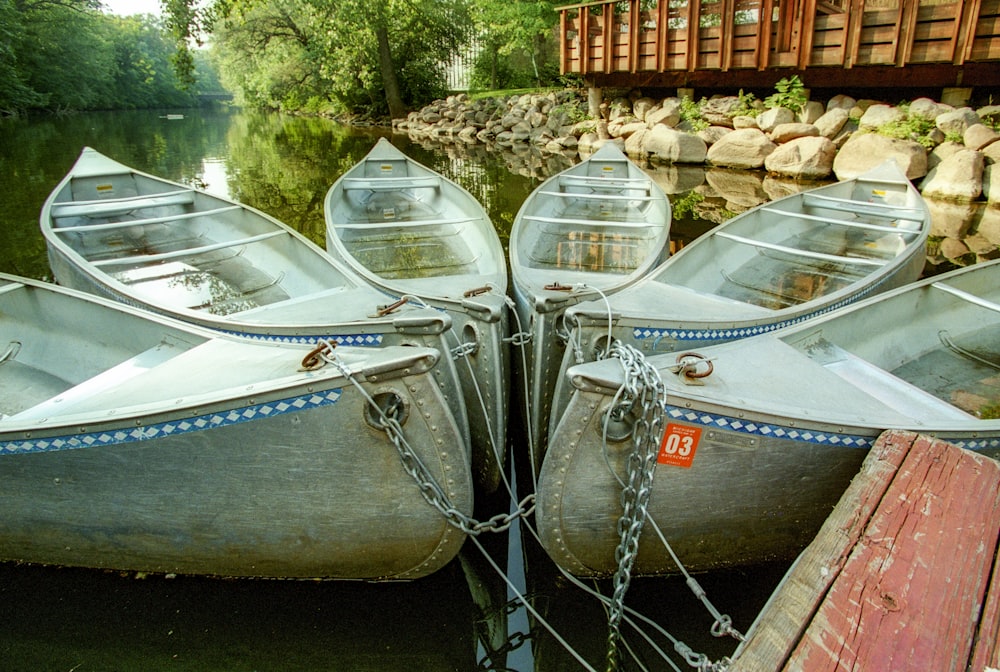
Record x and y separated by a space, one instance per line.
715 421
726 335
360 340
723 422
171 427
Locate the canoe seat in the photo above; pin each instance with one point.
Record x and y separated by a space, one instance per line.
103 381
128 224
794 251
595 223
390 183
404 223
882 210
605 182
600 197
120 206
173 254
855 224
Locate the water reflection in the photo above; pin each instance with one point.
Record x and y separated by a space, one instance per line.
458 619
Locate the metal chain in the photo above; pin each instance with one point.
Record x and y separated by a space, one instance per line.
429 487
644 388
464 349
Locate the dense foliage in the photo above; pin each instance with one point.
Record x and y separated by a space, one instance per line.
342 57
61 55
338 55
370 58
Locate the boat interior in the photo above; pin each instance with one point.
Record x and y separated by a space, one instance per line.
796 250
183 248
597 223
51 356
401 226
943 352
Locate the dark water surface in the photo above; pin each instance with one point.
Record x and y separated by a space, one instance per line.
459 619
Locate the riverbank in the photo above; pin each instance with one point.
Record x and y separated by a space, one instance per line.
728 154
948 152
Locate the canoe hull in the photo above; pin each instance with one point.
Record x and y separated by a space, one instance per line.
587 232
748 496
753 454
285 495
409 231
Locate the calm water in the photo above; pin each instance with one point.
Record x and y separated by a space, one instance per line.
458 619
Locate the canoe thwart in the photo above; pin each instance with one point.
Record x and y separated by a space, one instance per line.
886 210
118 206
389 183
966 296
604 182
842 222
799 252
601 224
403 222
110 226
596 197
145 258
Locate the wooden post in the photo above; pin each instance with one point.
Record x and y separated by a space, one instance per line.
693 23
594 98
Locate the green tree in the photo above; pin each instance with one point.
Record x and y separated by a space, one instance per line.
68 55
359 55
517 26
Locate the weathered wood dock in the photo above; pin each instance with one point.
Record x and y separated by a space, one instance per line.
902 576
752 43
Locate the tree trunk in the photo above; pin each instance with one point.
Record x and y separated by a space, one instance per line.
396 108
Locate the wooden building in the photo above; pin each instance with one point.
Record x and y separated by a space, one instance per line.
829 44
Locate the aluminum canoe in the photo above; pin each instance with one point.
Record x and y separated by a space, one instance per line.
589 231
410 231
773 266
134 442
751 461
184 253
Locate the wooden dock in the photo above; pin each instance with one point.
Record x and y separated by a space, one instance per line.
903 575
752 43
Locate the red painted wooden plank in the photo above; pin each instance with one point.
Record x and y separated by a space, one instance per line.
786 616
987 646
908 597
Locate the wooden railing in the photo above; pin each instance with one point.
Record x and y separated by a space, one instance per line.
650 36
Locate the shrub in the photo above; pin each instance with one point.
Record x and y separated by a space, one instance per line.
790 93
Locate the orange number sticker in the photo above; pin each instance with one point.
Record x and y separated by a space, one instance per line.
678 445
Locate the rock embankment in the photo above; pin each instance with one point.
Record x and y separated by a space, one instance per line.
950 153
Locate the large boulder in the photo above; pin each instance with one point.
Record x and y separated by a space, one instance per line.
880 115
672 146
743 148
979 136
807 158
642 106
787 132
957 178
864 151
926 108
957 121
667 114
831 122
841 102
769 119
